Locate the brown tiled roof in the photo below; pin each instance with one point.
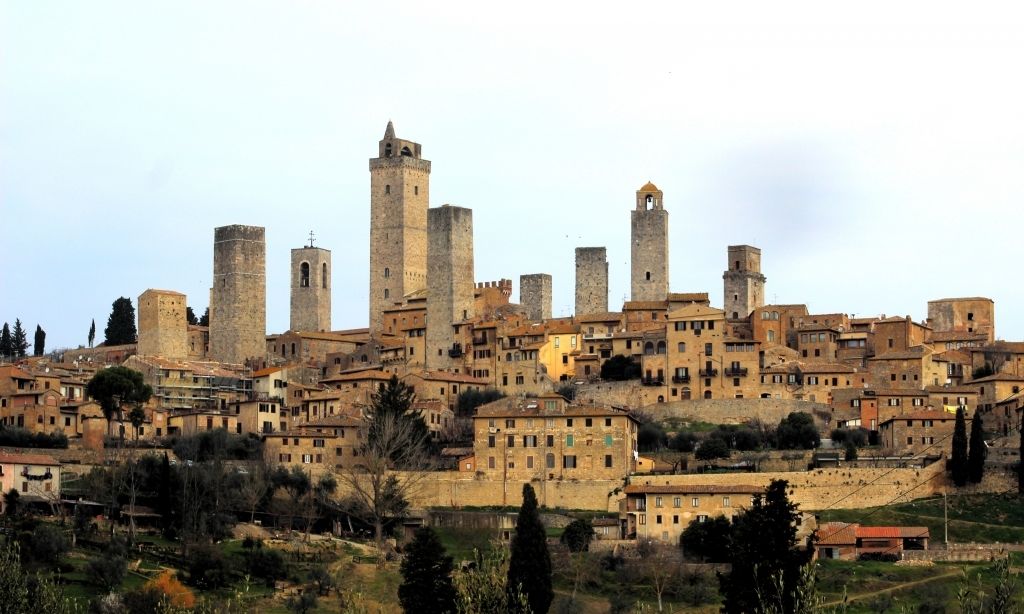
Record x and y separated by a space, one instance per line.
952 389
896 392
682 297
514 407
912 353
28 459
836 534
648 187
1001 346
443 376
927 414
696 489
267 371
998 377
372 374
952 335
606 316
638 305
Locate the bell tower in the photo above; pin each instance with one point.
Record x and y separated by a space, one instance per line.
399 197
649 249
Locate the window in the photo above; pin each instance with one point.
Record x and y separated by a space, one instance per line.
910 440
568 422
607 460
568 441
726 502
550 441
490 441
608 440
490 462
657 502
510 441
568 462
677 502
695 502
529 441
550 461
702 518
510 424
588 422
529 462
304 275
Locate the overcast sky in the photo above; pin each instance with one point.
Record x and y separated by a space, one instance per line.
873 152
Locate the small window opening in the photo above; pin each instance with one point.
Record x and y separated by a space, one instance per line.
304 275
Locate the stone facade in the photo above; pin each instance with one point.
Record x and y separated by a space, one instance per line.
238 299
163 327
963 315
311 289
535 295
744 283
649 245
450 286
399 197
591 280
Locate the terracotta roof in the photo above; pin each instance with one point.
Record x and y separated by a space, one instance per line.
837 534
1001 346
267 371
896 392
891 532
648 187
28 459
442 376
953 335
372 374
159 291
912 353
998 377
923 415
16 373
606 316
696 489
682 297
963 389
513 407
644 305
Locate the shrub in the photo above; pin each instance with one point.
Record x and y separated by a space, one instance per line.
207 568
108 569
651 437
169 587
712 448
266 564
684 441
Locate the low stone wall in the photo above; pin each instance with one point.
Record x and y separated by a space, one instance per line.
738 411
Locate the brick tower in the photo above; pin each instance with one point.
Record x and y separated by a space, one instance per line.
744 283
163 327
535 295
311 289
591 280
450 286
399 197
238 299
649 258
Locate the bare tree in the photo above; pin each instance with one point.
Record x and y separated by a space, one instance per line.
660 565
253 487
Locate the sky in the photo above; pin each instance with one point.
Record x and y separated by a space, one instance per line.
872 150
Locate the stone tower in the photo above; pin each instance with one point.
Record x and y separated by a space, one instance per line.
535 295
744 283
649 259
311 289
450 286
399 191
238 299
163 326
591 280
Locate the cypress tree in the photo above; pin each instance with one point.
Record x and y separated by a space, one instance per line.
978 450
6 347
958 458
121 323
426 576
19 340
92 332
190 316
40 341
205 320
1020 463
529 567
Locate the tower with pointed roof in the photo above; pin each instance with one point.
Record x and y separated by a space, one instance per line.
649 248
399 197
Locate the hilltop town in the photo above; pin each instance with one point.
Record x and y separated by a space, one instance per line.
606 410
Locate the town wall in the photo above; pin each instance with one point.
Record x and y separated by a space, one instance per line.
591 280
535 295
238 299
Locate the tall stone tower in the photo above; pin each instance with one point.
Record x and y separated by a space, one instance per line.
535 295
744 283
163 326
311 289
649 260
591 280
450 286
238 299
399 196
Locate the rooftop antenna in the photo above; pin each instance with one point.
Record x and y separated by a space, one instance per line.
310 238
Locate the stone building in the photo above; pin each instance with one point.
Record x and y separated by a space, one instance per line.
744 283
649 246
450 285
163 327
663 511
535 295
311 289
963 315
920 432
591 280
399 197
238 299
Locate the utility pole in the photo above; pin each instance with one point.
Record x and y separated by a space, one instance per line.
945 518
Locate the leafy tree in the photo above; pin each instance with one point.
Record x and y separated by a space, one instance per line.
208 569
121 323
651 437
709 541
529 567
205 319
267 564
426 576
6 343
619 368
684 441
978 450
21 593
958 457
92 332
190 316
12 503
567 390
797 432
46 544
485 589
115 387
19 340
39 347
108 569
712 448
983 371
850 452
577 535
470 399
763 555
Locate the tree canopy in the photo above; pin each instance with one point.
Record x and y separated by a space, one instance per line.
121 323
619 367
958 455
6 343
577 535
19 340
529 567
978 450
709 541
797 432
426 576
117 387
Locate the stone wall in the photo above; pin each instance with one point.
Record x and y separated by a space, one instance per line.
311 290
535 295
591 280
238 299
163 326
450 282
743 282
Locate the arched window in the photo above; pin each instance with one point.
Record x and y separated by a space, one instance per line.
387 150
648 348
707 394
293 349
681 348
387 293
775 315
661 347
323 277
304 275
406 152
387 189
387 272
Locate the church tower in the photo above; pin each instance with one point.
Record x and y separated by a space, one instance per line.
744 283
311 289
399 196
649 258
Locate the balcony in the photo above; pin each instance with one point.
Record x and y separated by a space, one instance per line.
740 372
709 372
680 379
479 340
455 351
652 381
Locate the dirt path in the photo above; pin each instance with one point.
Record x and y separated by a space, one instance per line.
893 589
